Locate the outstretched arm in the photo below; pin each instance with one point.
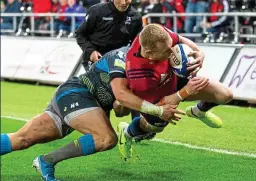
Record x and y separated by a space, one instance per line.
130 100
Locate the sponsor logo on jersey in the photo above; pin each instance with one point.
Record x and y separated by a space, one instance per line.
119 63
128 20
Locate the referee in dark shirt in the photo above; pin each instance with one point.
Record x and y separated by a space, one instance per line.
107 26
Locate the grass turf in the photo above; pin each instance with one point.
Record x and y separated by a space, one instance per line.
157 160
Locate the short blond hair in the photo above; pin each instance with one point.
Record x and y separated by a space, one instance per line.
151 34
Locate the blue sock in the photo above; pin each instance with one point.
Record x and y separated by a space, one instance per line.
87 144
5 146
205 106
134 128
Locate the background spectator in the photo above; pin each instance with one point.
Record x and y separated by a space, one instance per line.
61 22
2 6
41 6
13 6
89 3
45 25
217 24
74 7
168 6
195 6
144 7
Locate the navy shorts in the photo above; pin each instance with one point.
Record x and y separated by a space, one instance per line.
181 82
70 100
155 121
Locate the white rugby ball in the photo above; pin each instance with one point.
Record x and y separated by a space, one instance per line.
180 59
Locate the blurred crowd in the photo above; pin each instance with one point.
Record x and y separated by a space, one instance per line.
213 26
216 27
62 23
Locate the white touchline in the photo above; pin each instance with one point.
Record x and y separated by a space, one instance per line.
18 119
251 155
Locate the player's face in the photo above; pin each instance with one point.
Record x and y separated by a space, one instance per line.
162 52
122 5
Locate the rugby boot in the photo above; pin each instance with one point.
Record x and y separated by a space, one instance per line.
210 119
124 143
46 169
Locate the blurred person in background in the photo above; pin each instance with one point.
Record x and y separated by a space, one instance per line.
61 22
45 25
216 24
74 7
41 6
107 26
144 7
192 23
168 6
13 6
2 6
90 3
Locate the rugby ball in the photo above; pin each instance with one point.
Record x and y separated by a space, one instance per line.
179 60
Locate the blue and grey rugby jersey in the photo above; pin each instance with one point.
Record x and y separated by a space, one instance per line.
97 79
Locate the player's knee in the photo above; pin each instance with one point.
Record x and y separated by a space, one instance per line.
22 142
229 95
226 97
110 141
106 141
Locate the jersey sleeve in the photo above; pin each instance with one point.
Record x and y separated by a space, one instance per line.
117 65
174 36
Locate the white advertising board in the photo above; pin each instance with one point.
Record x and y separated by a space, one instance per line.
241 77
42 60
80 70
216 61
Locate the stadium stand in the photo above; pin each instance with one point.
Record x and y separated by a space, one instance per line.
60 24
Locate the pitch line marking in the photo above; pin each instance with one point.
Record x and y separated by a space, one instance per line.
12 117
251 155
222 151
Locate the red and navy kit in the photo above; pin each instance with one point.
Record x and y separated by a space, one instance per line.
150 80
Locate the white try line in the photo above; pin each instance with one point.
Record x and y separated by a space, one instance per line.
14 118
251 155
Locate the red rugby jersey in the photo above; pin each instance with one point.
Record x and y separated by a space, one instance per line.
148 79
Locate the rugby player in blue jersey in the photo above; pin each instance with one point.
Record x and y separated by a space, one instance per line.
80 104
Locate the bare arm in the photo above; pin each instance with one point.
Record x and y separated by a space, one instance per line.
124 95
197 54
188 42
130 100
120 110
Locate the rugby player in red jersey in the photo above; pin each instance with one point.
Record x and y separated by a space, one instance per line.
150 77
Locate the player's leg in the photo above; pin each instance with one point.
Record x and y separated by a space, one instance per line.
39 129
140 127
213 95
98 135
79 110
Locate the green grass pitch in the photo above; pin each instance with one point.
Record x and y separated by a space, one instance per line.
157 161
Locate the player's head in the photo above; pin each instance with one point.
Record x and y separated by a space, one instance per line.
122 5
156 44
